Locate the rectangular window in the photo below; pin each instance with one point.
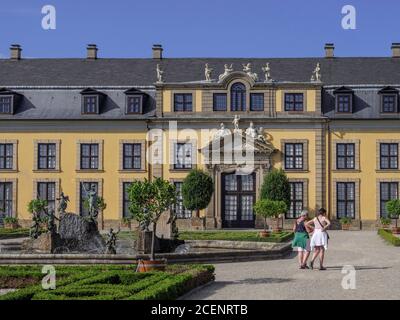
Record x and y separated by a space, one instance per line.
389 103
293 156
388 191
46 156
180 211
89 156
47 191
219 102
90 104
296 200
183 102
389 155
345 194
257 102
125 200
345 157
294 102
132 156
343 103
83 208
6 156
6 200
6 105
183 156
133 104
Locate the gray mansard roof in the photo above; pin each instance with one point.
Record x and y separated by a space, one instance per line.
141 72
51 87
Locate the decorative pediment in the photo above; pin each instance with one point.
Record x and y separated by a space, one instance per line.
234 75
388 90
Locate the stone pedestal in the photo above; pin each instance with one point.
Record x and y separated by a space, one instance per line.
143 244
45 243
198 223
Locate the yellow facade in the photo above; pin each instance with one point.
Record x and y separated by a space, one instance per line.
317 135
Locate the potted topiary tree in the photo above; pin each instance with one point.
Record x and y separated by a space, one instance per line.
148 200
345 222
264 209
276 187
385 222
126 222
393 209
11 223
197 190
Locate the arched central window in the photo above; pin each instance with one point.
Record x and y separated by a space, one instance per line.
238 97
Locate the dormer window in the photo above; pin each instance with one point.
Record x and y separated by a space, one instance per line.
8 101
90 105
343 103
6 104
389 100
133 104
135 101
344 100
91 101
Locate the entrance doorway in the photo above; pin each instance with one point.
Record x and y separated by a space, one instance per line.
238 198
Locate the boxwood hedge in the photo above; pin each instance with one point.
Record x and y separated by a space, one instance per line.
108 282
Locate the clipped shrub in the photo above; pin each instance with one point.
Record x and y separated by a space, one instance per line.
276 187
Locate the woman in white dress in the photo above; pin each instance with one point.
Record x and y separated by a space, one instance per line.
319 239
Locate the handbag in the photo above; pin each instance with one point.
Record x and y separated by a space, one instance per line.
327 234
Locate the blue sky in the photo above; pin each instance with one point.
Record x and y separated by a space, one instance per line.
206 28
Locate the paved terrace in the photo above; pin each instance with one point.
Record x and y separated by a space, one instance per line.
377 267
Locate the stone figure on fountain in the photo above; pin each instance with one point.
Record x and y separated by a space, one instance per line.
92 199
174 228
51 221
63 203
111 241
34 231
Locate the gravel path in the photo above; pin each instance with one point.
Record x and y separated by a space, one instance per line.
377 267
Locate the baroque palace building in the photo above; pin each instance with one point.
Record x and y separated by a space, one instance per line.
333 125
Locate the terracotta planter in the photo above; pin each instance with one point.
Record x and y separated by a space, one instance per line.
11 225
346 227
151 265
127 225
396 230
264 234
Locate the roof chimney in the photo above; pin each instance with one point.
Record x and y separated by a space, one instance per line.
92 51
15 52
157 51
395 50
329 50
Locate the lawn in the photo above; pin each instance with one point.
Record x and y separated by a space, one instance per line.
104 282
13 233
282 236
389 237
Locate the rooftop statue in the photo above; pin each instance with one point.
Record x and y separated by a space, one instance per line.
247 69
159 74
227 71
222 132
251 131
235 122
316 76
267 72
207 72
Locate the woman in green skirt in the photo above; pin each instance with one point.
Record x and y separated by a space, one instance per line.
301 241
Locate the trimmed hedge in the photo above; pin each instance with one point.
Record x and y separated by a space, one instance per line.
236 236
109 282
389 237
13 233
